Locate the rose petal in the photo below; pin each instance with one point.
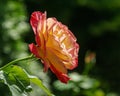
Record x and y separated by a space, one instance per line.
35 17
61 76
34 50
55 61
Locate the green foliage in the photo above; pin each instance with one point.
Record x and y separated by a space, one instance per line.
80 85
13 27
18 82
16 75
36 81
16 79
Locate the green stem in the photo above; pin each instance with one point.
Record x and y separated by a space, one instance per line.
17 60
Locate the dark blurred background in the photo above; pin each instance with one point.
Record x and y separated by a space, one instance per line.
95 23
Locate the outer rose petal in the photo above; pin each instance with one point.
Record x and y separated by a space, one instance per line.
34 50
36 18
38 23
62 77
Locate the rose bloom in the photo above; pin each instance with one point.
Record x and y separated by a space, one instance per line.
55 45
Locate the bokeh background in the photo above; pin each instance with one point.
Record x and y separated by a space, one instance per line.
95 23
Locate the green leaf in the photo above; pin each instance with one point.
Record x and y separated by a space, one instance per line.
39 83
16 91
16 75
16 79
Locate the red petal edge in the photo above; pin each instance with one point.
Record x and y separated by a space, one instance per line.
35 17
75 60
34 50
61 76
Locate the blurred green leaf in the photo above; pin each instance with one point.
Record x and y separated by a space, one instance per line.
89 83
99 93
39 83
62 87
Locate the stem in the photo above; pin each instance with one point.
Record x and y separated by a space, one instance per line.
17 60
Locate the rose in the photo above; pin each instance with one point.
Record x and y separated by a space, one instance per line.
55 45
